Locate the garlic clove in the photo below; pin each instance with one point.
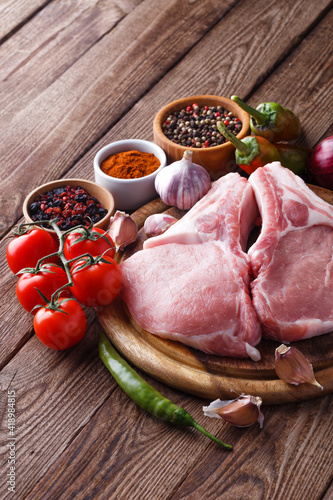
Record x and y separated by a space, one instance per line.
293 367
123 230
157 224
182 183
241 412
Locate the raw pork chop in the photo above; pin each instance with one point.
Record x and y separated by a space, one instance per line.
191 284
292 259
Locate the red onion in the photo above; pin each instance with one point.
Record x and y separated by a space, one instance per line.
321 163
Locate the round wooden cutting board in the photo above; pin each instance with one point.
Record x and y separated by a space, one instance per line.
208 376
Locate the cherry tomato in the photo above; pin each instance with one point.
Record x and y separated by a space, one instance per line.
61 330
97 284
94 247
27 249
47 280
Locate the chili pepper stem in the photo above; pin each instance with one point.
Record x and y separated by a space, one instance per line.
201 429
239 145
260 118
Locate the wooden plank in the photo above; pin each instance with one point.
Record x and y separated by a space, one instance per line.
289 458
126 466
14 13
125 460
307 97
56 394
51 132
176 84
329 493
16 323
53 49
60 394
326 134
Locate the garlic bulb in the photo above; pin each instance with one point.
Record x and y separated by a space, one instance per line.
182 183
293 367
123 230
241 412
157 224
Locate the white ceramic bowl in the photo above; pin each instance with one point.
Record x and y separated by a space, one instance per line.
129 194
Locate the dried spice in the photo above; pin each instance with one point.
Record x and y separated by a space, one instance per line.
195 126
130 164
72 205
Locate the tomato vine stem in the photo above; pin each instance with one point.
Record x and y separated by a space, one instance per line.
86 233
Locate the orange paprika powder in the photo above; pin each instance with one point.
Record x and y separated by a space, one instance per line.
130 164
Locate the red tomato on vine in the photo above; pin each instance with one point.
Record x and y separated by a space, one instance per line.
62 329
26 250
76 244
49 279
96 284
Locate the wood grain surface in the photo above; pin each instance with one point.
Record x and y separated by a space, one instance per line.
14 13
200 374
75 76
128 59
55 49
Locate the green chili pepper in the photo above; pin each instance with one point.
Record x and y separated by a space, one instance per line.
296 158
143 394
272 121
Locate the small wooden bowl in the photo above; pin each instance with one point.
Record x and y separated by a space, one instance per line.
218 160
100 193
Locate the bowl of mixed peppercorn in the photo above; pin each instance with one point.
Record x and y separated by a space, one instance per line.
191 123
73 202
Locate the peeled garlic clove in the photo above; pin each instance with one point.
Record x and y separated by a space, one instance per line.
241 412
293 367
182 183
123 230
157 224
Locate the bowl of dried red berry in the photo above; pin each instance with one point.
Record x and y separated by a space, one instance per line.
191 123
73 202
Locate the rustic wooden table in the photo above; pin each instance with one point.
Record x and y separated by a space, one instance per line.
74 77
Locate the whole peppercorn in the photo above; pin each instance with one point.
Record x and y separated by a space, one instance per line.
194 126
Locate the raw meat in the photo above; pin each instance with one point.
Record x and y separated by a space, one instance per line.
191 283
228 211
292 260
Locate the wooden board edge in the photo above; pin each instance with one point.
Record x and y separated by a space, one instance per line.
200 383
